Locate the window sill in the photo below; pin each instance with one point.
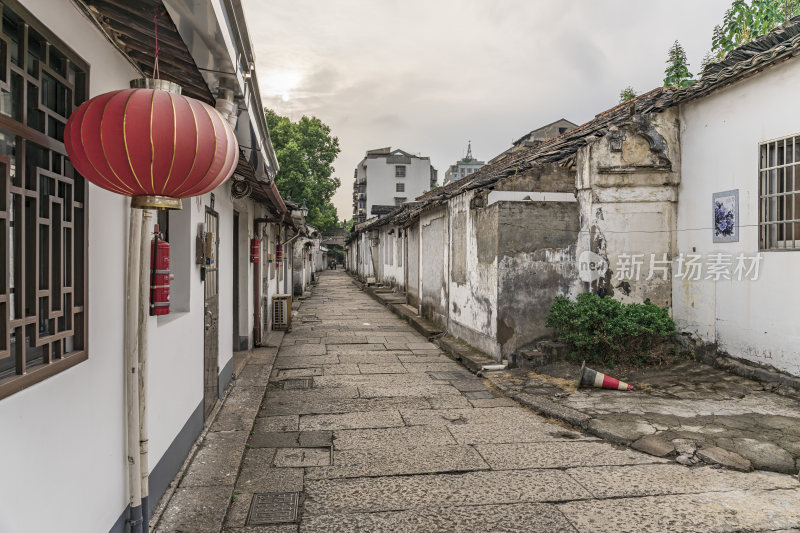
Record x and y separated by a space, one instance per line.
15 383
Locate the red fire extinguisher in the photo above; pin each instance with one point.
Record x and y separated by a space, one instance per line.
159 276
278 254
255 250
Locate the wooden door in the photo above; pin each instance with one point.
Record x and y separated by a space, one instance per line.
211 318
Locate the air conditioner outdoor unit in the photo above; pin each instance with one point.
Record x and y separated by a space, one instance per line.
281 312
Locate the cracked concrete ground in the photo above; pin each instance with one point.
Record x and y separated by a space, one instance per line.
393 436
691 411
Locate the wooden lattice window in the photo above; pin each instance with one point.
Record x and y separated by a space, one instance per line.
43 209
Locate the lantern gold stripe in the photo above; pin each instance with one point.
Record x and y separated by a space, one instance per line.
196 147
124 186
80 137
209 185
152 145
174 141
125 142
190 191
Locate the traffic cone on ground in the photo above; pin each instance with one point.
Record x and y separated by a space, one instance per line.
593 378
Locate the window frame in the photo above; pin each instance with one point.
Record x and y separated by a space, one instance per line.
53 357
400 171
777 231
400 187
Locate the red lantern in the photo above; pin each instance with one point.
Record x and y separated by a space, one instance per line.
154 145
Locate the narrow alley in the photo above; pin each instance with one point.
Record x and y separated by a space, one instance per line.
360 424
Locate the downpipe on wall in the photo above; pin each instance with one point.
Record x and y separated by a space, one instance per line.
135 519
136 321
145 282
257 292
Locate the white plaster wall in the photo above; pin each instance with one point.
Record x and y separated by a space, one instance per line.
364 255
224 206
720 134
84 477
392 272
381 188
472 304
435 267
67 433
245 209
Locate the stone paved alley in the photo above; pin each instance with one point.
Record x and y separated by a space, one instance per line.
366 426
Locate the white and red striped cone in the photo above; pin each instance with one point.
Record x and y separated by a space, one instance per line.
593 378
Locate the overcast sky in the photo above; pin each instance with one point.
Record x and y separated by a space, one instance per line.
429 75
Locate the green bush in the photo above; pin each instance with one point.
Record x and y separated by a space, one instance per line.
606 331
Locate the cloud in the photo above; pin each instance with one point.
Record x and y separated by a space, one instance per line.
428 76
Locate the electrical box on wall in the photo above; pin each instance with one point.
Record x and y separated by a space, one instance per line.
200 248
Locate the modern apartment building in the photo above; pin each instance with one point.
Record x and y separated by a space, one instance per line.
386 178
463 167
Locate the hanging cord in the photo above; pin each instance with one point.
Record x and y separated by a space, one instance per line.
156 73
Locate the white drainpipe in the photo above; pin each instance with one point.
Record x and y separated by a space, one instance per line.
132 403
144 314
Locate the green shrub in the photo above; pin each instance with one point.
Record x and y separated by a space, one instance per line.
606 331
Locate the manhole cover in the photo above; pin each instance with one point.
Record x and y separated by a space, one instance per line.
300 383
274 508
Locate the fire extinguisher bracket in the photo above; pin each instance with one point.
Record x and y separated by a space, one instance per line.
160 275
255 250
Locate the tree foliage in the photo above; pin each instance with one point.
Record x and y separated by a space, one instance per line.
744 22
677 71
626 94
306 151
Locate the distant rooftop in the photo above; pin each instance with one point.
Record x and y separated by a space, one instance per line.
388 152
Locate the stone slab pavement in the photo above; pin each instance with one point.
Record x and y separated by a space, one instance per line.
689 411
360 433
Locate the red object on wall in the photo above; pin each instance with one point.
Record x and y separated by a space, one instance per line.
309 257
278 253
255 250
159 278
148 143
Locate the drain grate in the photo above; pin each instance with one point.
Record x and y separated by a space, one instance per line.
273 508
299 383
478 395
447 376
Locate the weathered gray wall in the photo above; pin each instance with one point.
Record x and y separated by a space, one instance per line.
434 266
458 246
536 262
627 184
473 273
543 178
412 265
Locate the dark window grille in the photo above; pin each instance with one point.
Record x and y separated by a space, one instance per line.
400 187
779 194
43 211
400 171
